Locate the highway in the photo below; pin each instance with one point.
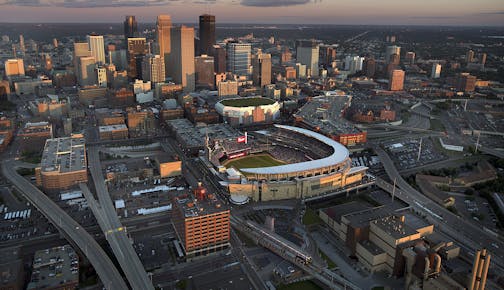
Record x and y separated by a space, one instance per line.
114 231
102 264
290 253
465 233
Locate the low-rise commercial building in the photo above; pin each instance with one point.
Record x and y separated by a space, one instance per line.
55 269
63 163
33 136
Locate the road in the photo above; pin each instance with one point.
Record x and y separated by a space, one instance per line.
465 233
114 231
102 264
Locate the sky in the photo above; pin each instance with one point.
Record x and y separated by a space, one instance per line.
353 12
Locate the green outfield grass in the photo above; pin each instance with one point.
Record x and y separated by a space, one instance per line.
253 161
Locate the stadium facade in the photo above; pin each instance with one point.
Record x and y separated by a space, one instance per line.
316 165
248 111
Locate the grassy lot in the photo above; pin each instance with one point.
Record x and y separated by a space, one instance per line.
304 285
311 217
253 161
247 102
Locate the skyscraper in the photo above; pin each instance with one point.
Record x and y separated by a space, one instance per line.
14 67
163 37
396 80
137 48
22 46
219 59
327 54
307 53
130 27
436 71
87 74
261 69
97 47
81 49
204 68
238 58
153 68
101 77
181 58
393 49
353 63
206 34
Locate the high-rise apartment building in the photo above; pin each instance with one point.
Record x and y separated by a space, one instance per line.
204 68
130 27
181 59
201 222
353 63
219 54
307 53
97 47
327 54
261 69
206 34
396 80
22 46
238 58
137 48
393 49
153 68
436 71
227 88
163 37
14 67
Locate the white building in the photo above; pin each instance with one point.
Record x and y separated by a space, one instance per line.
353 63
436 71
97 47
153 68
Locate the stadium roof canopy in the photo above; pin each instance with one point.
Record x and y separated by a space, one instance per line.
340 154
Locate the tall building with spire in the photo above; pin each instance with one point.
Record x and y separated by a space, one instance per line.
163 37
206 34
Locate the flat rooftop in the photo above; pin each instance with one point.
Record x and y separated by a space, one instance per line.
111 128
54 267
187 203
326 113
362 218
32 128
394 226
64 155
337 211
247 102
194 136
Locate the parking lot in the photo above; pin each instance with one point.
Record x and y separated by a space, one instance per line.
405 152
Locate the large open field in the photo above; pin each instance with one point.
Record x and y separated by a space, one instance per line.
253 161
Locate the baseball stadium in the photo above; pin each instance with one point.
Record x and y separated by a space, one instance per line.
284 162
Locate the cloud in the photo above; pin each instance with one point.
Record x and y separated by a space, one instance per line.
88 3
274 3
492 13
435 17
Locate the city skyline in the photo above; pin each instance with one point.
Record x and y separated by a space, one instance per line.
363 12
